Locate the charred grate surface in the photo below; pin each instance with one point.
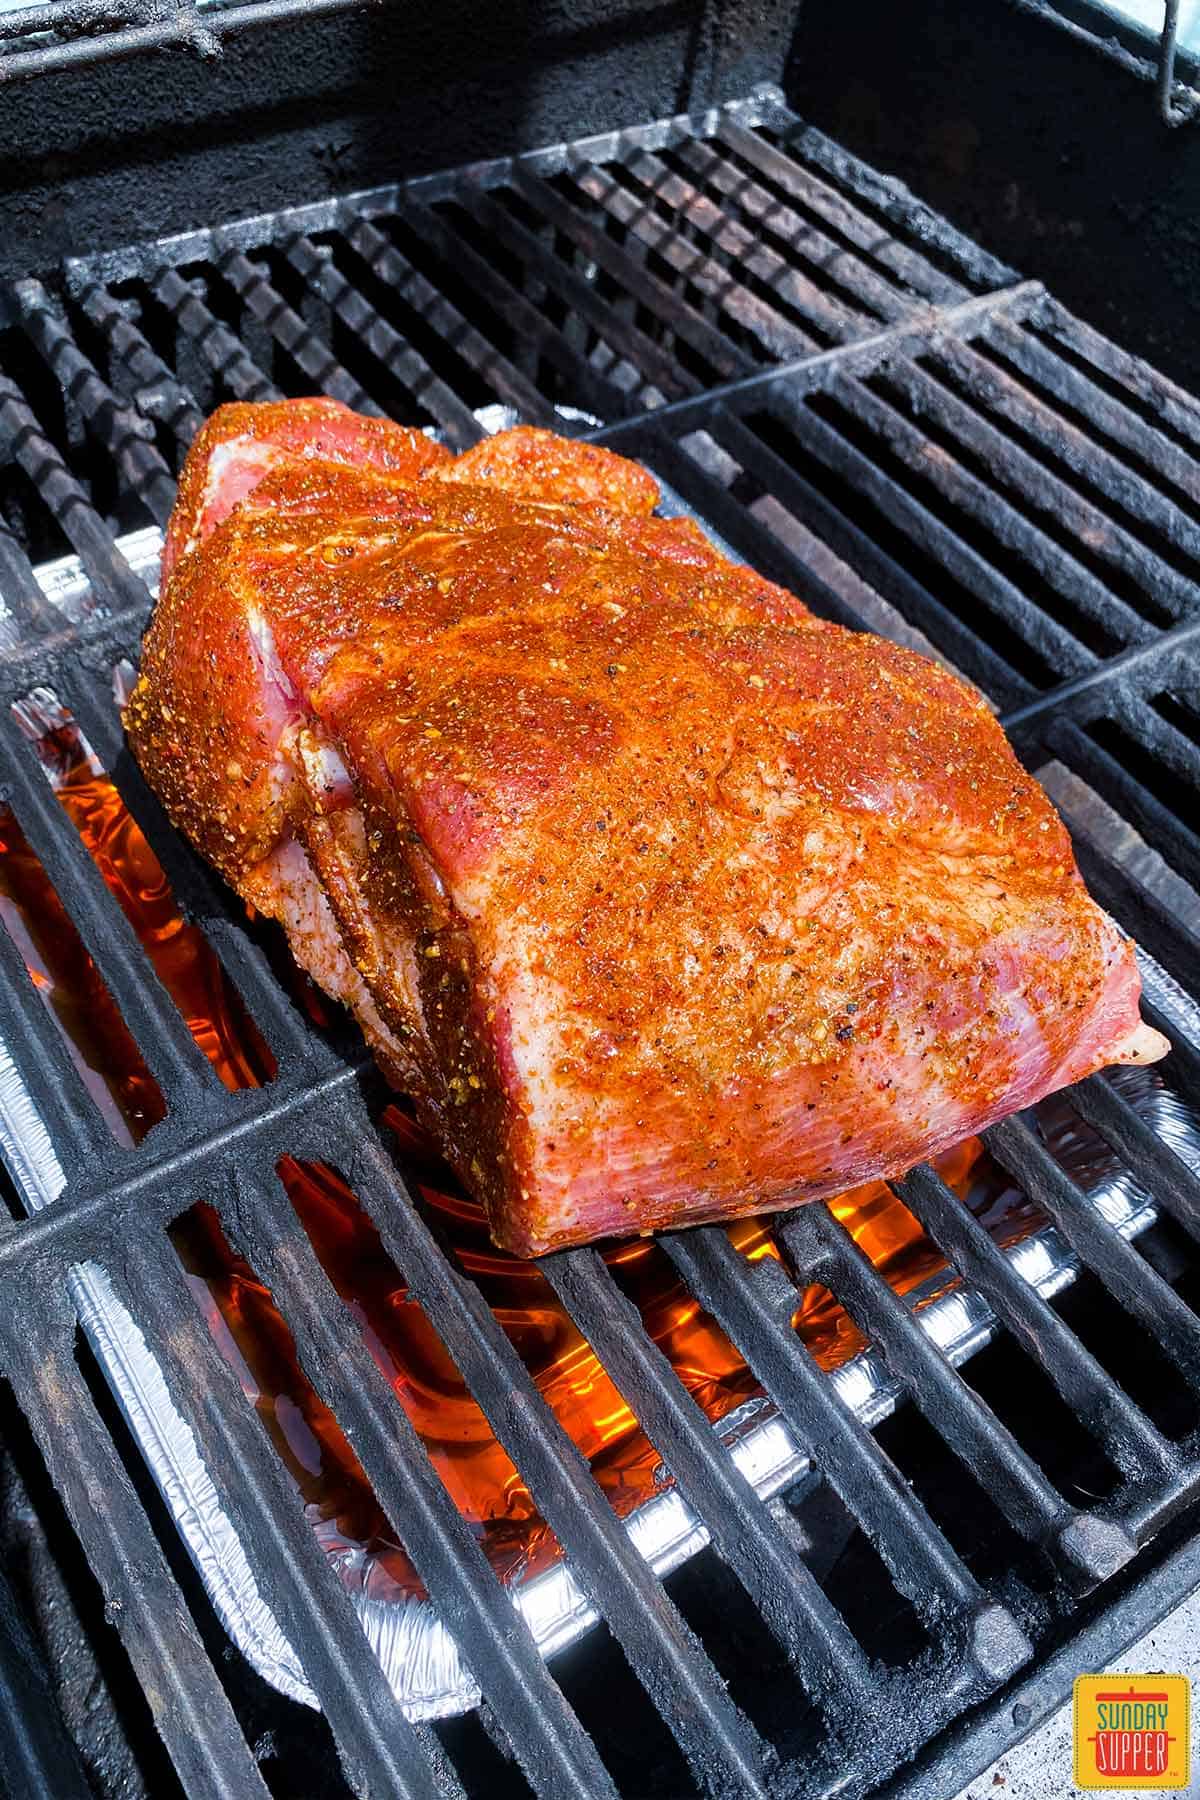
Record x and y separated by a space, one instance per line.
44 39
875 412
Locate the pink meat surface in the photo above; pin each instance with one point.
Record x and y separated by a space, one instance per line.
665 899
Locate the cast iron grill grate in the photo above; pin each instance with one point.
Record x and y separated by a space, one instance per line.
47 36
875 412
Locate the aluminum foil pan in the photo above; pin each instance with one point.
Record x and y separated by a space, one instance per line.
418 1655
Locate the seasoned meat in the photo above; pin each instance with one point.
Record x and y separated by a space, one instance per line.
240 444
665 899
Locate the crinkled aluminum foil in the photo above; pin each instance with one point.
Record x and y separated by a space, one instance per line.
418 1654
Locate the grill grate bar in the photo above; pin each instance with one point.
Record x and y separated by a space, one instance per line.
1129 1436
157 392
1151 921
821 1249
376 1743
39 1758
1185 1047
742 1530
951 478
789 289
101 633
1175 1185
19 589
203 899
288 329
439 315
1172 405
1179 755
72 1120
126 437
601 394
636 278
829 204
175 1060
965 649
889 198
173 28
393 353
1049 375
621 336
815 370
1165 590
1104 771
69 16
116 1201
556 1754
1091 461
723 1750
753 1304
929 534
1138 665
777 338
217 346
763 211
23 441
189 1706
1126 1274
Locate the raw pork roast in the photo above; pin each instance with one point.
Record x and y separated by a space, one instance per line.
664 899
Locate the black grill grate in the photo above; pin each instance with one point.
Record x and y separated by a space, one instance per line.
871 410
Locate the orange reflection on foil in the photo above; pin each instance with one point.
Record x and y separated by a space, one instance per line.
476 1471
67 978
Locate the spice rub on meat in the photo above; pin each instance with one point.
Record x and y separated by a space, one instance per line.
665 899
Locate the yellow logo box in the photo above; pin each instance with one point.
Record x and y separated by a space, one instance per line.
1133 1731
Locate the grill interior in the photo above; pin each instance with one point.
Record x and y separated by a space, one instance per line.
879 414
38 40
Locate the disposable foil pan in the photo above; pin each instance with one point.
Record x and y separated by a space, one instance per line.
418 1655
